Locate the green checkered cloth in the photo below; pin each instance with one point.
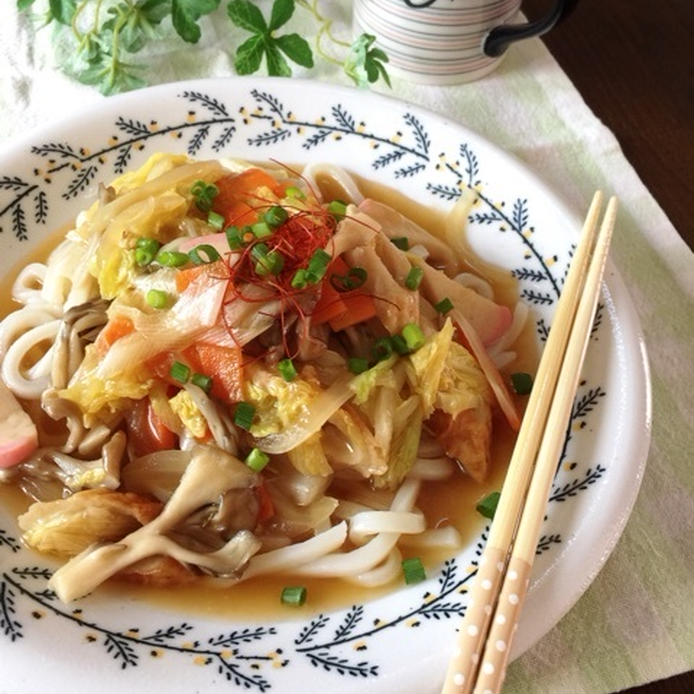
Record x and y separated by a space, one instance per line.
634 623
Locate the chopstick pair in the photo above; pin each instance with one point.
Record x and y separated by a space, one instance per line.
484 639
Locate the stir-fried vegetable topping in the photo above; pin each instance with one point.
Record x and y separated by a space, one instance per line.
522 382
287 369
157 298
280 370
243 415
413 570
204 193
203 254
180 372
293 595
257 460
172 258
487 505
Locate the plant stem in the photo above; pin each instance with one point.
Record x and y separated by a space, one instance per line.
122 19
324 30
78 10
97 9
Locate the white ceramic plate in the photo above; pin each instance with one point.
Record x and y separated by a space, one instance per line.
397 643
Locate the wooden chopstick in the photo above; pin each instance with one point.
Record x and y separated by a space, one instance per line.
502 575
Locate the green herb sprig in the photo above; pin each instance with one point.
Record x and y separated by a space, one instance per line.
107 35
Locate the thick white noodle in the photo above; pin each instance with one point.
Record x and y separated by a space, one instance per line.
390 569
432 469
338 174
437 538
347 509
37 378
67 281
482 287
27 287
22 321
287 558
370 555
368 523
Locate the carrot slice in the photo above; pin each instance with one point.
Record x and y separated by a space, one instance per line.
360 308
160 366
185 277
267 508
341 309
117 327
240 214
237 188
224 365
329 306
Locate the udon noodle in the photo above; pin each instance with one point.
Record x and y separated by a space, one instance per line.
220 373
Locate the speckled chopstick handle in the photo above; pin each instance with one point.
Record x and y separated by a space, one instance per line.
492 667
470 642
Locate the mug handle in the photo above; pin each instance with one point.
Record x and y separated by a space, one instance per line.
501 37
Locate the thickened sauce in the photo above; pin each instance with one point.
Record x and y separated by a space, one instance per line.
448 502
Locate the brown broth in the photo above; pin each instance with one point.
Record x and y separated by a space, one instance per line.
449 502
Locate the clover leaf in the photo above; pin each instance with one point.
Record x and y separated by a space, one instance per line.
263 41
185 15
365 64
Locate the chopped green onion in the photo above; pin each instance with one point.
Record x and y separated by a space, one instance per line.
270 264
402 242
287 369
157 298
444 306
337 208
382 349
202 381
211 254
259 251
151 245
299 280
172 258
261 230
294 192
215 220
257 460
522 383
355 277
413 570
243 415
234 238
414 277
143 257
357 365
413 335
204 193
487 506
399 345
179 372
293 595
276 215
317 265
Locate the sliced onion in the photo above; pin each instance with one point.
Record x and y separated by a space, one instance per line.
322 408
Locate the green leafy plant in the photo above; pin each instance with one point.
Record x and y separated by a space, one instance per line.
107 35
263 40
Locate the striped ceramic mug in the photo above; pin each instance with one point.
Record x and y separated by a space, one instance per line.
447 41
